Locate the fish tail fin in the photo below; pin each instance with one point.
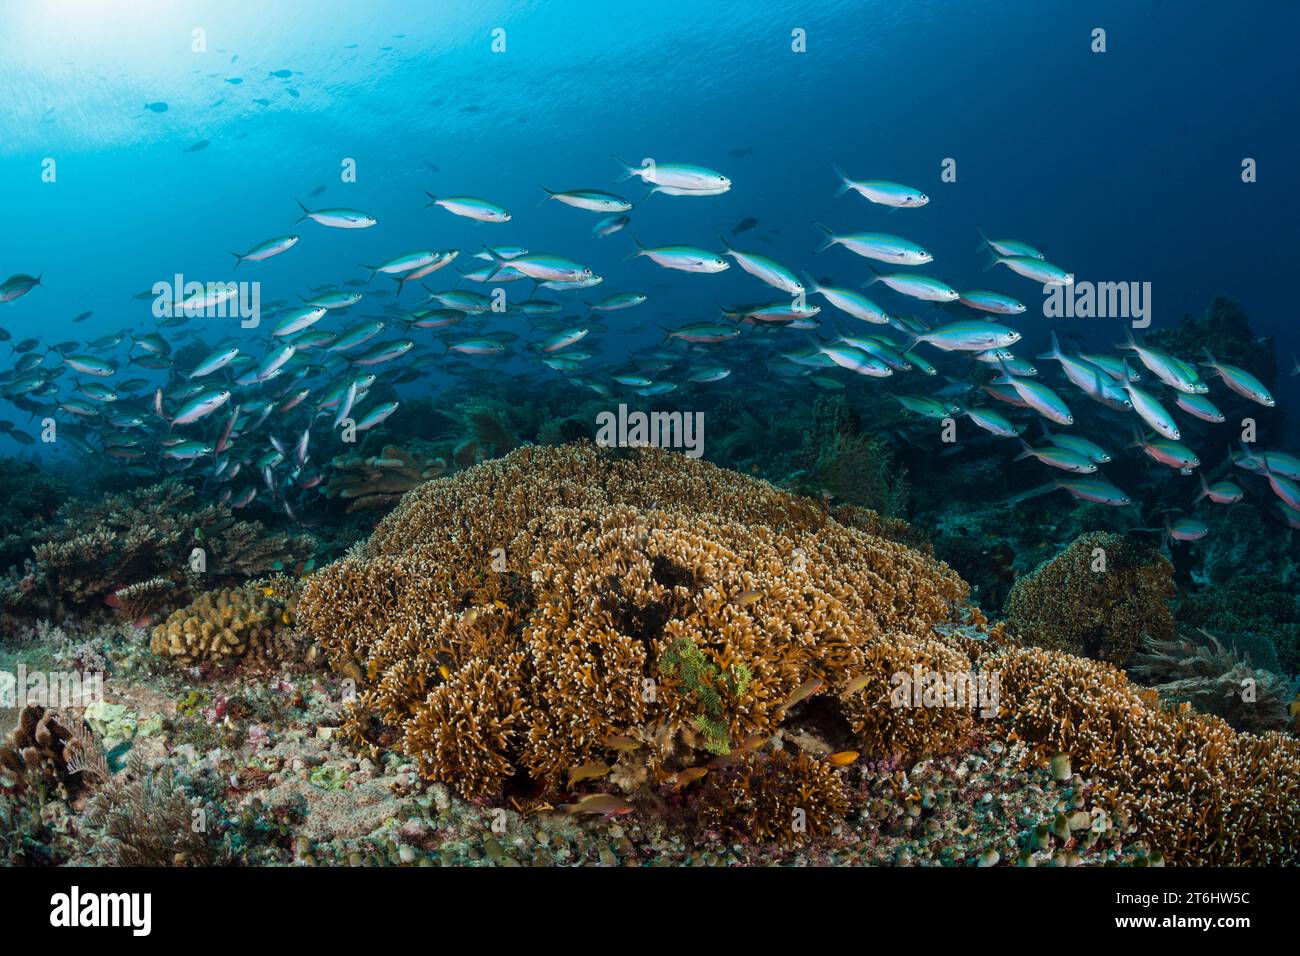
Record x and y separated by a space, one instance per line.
373 270
305 212
830 237
994 259
1032 493
875 276
550 194
1026 450
433 200
845 183
726 246
812 284
1205 488
1129 342
238 259
499 262
640 249
628 169
1055 352
984 240
1210 360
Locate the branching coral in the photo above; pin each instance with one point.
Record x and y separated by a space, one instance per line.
94 549
510 621
1098 598
380 481
1190 785
774 797
519 628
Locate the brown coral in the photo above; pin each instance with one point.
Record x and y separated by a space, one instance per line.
775 797
1196 790
508 621
537 613
1099 598
222 625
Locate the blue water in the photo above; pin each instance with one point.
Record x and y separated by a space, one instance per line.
1123 166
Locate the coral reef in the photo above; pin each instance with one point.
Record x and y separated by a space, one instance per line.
666 601
94 549
378 482
1098 598
1189 784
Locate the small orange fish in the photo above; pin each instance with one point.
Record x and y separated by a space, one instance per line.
499 604
843 758
856 685
803 691
471 615
754 742
746 598
690 775
621 743
605 803
592 770
443 672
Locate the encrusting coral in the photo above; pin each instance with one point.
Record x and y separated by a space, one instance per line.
1098 598
553 625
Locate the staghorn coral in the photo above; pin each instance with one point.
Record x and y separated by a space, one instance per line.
380 481
1192 787
1216 680
223 625
94 549
1097 598
627 621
